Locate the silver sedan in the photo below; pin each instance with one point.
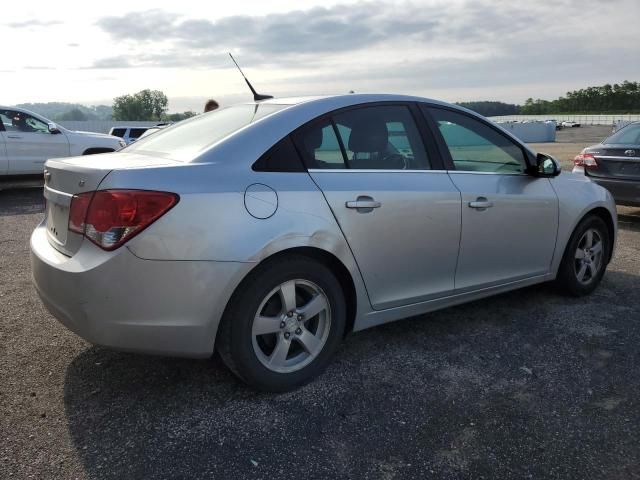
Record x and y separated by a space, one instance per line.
267 231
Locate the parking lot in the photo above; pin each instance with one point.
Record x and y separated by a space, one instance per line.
527 384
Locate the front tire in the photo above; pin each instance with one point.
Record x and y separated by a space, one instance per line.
283 324
585 258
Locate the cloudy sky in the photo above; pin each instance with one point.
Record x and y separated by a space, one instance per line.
455 50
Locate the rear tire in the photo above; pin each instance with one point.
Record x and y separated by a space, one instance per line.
283 324
585 258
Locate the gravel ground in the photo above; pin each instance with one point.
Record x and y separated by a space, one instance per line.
527 384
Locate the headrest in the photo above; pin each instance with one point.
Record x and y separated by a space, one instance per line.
313 139
369 136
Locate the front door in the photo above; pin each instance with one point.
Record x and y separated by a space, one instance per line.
400 217
29 143
509 218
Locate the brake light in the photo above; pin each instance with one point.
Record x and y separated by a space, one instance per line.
585 160
110 218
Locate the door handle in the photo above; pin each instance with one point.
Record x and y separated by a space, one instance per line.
364 204
14 136
481 203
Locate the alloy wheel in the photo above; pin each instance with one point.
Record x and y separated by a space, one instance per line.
291 326
588 256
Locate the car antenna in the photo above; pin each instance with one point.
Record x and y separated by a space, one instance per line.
256 96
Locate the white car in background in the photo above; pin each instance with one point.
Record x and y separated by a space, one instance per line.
27 140
128 134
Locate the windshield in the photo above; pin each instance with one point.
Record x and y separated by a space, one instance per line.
629 135
187 139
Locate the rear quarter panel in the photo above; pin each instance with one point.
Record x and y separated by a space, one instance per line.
211 222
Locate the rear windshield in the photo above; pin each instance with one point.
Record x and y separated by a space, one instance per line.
629 135
185 140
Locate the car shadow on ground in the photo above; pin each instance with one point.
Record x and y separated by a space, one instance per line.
21 201
629 219
449 391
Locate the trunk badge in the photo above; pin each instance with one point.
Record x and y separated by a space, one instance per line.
630 153
81 183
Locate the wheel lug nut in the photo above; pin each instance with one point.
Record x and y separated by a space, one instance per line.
289 314
298 331
300 318
287 335
282 324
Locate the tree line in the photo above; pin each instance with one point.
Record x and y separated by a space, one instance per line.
616 98
152 105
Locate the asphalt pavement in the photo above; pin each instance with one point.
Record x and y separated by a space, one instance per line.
528 384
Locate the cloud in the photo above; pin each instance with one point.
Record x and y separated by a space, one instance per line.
408 46
33 23
38 67
148 25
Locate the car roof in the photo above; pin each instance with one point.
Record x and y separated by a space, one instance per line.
353 98
256 138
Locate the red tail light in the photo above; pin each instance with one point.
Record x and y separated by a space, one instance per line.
585 160
110 218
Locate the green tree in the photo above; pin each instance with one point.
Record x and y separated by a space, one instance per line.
75 114
146 105
491 109
616 98
176 117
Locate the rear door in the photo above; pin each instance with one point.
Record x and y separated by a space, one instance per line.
509 218
29 143
396 206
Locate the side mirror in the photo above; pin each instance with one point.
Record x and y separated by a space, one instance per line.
53 129
547 166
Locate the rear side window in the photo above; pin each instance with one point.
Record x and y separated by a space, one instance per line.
320 147
282 157
365 138
118 132
475 146
136 132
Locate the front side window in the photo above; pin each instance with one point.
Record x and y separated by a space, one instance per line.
366 138
14 121
475 146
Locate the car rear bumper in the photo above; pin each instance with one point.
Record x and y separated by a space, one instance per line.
625 192
118 300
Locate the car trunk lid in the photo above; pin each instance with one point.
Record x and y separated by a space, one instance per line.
619 161
67 177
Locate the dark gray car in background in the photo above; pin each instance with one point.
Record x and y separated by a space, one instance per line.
615 164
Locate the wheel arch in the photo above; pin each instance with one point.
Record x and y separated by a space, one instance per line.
606 217
322 256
